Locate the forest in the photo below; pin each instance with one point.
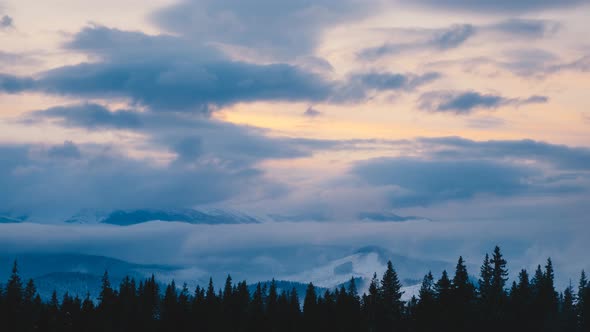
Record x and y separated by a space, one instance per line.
456 302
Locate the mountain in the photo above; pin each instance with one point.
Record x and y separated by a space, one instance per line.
133 217
363 263
326 267
9 218
386 217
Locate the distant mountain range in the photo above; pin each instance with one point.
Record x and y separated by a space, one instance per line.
133 217
195 216
291 267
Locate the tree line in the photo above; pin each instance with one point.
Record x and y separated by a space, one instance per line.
447 303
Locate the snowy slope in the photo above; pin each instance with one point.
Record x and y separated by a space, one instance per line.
363 264
360 265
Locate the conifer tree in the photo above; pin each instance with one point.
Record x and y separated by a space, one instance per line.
310 308
485 279
462 299
13 300
426 307
443 289
390 298
583 305
568 315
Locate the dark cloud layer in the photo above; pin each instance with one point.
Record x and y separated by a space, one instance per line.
60 180
470 101
423 182
139 68
454 168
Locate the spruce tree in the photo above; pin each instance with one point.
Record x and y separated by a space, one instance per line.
583 305
310 308
391 295
426 307
485 279
13 300
568 315
462 298
443 289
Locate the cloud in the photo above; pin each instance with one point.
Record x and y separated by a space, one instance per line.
57 181
268 28
429 39
166 85
454 36
499 7
424 182
525 62
456 169
89 116
470 101
6 22
15 84
296 247
65 151
486 122
185 135
559 156
311 112
531 28
384 81
140 69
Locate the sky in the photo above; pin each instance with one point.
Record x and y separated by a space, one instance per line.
458 111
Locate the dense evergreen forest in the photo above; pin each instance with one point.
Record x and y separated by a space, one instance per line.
447 303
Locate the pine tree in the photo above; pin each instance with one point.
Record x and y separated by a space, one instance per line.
583 305
499 274
485 279
426 307
272 309
310 309
13 300
520 302
444 303
391 295
568 314
462 298
371 305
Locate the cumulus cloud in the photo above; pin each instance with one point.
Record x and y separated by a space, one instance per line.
469 101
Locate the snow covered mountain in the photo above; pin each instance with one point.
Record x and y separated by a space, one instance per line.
363 264
132 217
326 267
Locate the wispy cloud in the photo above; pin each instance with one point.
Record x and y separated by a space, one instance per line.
467 102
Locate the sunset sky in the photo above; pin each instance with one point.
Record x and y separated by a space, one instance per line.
316 110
